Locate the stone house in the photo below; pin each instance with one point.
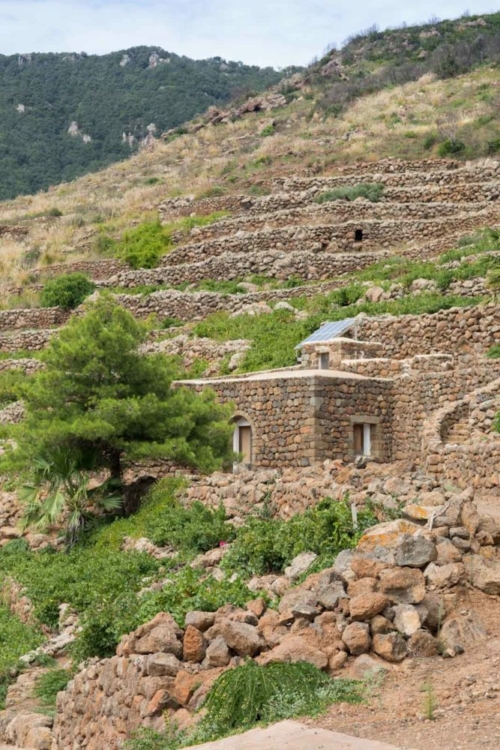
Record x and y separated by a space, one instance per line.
342 400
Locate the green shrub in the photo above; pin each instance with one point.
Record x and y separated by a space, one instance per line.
371 191
494 351
50 684
163 519
451 146
430 141
267 546
191 529
67 291
267 131
143 246
493 147
250 695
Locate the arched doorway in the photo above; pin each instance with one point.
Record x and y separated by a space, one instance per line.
242 440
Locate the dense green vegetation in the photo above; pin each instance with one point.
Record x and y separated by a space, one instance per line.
67 291
268 545
106 96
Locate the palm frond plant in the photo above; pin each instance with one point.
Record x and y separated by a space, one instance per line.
59 495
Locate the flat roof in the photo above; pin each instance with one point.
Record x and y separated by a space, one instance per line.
283 375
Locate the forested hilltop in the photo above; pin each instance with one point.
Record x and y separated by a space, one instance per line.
62 115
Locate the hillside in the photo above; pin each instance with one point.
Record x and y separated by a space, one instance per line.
201 507
63 115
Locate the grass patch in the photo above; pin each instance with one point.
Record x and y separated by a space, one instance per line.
372 191
144 245
16 639
49 685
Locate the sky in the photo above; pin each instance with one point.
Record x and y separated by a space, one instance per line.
260 32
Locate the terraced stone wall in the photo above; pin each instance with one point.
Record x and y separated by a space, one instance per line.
458 331
37 317
351 236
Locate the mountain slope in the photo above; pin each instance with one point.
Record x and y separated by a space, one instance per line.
63 115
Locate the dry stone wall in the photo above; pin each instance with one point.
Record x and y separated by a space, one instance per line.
375 235
277 264
32 340
37 317
461 331
336 212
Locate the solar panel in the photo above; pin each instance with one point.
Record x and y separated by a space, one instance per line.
328 331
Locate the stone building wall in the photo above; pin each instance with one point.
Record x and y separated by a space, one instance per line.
475 462
303 420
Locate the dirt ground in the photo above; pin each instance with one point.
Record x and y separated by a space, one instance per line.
466 691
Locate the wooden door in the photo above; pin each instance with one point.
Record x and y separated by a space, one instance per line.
358 439
245 447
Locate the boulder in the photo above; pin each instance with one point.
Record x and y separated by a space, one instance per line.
422 643
386 535
484 574
407 619
300 564
362 586
403 585
447 552
366 666
391 646
241 637
162 665
294 597
294 648
366 566
330 595
257 607
445 576
415 551
366 606
462 632
217 653
337 661
200 620
356 637
161 638
194 645
380 624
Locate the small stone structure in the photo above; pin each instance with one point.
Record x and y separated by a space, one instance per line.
344 400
